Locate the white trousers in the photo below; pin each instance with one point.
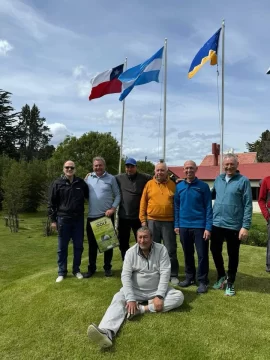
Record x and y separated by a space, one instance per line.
116 312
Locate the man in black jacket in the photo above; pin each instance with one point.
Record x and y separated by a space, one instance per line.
131 186
66 209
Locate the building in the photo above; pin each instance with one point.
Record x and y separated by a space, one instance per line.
209 169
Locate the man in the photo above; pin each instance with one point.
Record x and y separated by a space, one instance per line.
104 197
156 210
131 186
193 219
66 208
264 203
232 214
145 278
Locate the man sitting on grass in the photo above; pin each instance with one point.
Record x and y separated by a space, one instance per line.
145 278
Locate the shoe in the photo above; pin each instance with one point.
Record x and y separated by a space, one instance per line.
230 290
88 274
219 284
267 268
78 275
99 337
59 278
108 273
202 289
174 281
186 283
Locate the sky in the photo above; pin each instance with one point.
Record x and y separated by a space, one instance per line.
50 50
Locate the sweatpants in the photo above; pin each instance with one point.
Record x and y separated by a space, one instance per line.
116 312
268 248
218 236
164 230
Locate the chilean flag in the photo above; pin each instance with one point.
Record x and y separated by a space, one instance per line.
106 83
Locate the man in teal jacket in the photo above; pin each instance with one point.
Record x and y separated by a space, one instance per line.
232 214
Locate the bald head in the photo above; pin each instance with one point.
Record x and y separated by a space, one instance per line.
190 169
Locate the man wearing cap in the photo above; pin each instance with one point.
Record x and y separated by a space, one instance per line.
131 186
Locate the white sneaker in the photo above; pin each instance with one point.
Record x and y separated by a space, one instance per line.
98 336
78 275
59 279
174 281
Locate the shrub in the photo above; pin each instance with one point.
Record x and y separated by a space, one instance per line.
256 238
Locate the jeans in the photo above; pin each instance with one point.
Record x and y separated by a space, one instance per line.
124 227
188 238
233 245
69 228
165 230
93 248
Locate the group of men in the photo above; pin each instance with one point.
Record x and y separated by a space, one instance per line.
155 209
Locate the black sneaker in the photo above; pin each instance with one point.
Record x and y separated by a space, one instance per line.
88 274
267 268
202 289
186 283
108 273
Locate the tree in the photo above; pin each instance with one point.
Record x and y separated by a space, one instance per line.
34 135
261 147
8 127
146 167
82 151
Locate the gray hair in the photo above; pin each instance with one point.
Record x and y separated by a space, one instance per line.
99 158
190 161
231 156
163 163
144 229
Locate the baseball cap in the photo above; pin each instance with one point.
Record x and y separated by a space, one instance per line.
131 161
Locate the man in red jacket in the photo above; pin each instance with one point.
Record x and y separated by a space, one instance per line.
264 202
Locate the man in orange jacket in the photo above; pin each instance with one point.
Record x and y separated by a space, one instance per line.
156 211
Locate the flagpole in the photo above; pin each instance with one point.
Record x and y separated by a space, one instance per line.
222 101
165 100
122 127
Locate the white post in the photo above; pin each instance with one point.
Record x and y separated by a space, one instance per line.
165 100
122 127
222 101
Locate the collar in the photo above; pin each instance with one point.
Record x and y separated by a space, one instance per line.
223 175
140 252
93 174
192 182
132 177
164 182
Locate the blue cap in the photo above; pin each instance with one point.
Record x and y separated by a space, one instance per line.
131 161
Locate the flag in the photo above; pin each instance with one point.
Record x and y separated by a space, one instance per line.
207 52
268 72
141 74
106 83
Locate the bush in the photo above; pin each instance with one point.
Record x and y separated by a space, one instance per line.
256 238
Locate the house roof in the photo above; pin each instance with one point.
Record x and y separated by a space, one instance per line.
255 171
243 158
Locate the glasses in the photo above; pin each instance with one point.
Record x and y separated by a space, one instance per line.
70 167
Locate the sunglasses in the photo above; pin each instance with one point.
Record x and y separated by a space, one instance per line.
70 167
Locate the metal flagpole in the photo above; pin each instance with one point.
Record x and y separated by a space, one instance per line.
222 102
122 127
165 100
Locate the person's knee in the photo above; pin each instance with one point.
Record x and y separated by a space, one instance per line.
179 297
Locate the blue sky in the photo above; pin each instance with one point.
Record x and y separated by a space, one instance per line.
49 51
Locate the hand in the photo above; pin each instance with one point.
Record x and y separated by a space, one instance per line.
243 234
144 223
206 235
110 212
86 176
158 304
131 307
177 231
54 226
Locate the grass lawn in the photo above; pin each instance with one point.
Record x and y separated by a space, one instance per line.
40 319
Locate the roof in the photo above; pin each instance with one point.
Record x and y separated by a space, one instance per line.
243 158
256 171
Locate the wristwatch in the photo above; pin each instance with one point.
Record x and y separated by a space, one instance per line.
160 297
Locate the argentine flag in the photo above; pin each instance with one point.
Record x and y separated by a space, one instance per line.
141 74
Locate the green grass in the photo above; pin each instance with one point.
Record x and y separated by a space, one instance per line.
40 319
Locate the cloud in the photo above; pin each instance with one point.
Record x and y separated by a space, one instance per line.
5 47
59 132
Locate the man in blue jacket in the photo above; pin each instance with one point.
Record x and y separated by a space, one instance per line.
232 214
193 219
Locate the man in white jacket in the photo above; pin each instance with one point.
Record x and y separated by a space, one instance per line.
145 278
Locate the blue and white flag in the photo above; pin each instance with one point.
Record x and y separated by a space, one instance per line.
141 74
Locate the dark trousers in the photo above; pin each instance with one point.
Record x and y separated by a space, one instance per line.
268 248
124 227
188 238
165 230
93 248
69 228
233 245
